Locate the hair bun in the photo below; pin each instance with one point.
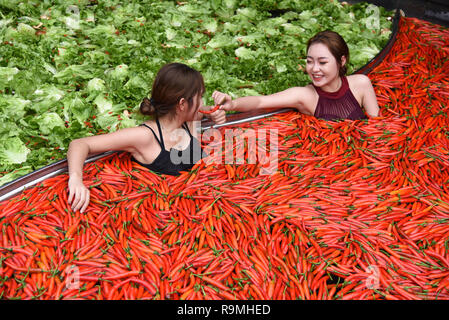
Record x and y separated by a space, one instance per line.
146 107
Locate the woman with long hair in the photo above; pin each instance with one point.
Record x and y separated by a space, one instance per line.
331 95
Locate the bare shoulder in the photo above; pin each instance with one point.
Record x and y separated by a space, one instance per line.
309 89
124 134
134 137
359 80
142 134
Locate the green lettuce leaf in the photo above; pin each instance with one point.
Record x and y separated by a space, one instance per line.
49 121
13 151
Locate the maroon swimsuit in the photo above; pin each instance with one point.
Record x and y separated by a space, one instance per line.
338 105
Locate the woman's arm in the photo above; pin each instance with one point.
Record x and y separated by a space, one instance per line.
294 98
369 99
129 139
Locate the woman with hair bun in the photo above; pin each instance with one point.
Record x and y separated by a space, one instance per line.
166 144
331 96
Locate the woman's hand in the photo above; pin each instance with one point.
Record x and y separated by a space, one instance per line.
79 195
218 116
215 114
223 99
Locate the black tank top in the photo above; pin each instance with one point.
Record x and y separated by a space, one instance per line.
174 161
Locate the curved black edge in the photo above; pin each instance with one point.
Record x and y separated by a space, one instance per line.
13 187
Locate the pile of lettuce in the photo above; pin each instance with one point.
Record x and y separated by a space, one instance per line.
70 69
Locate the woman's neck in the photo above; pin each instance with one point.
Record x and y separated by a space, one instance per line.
333 86
169 123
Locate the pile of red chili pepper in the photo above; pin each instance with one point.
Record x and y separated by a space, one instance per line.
355 209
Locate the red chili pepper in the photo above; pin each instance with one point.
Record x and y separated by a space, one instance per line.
352 206
211 110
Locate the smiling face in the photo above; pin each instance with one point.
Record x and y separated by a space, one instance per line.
322 67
